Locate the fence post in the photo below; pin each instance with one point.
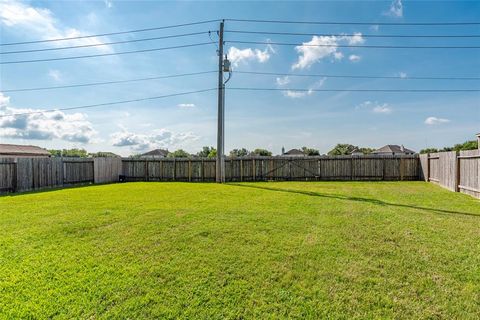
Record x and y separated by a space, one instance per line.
174 169
189 170
14 176
428 167
401 164
457 171
146 170
254 169
384 167
351 167
241 170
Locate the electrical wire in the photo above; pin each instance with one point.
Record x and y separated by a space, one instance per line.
112 33
355 90
106 43
106 54
352 35
352 46
355 76
108 82
107 103
358 23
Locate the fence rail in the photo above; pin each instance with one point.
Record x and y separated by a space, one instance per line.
455 171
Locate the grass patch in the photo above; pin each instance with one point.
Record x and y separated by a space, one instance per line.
252 250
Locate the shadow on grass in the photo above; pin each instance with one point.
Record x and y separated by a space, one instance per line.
358 199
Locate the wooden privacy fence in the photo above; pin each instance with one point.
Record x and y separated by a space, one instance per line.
456 171
346 168
24 174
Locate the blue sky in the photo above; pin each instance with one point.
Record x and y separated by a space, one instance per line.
253 119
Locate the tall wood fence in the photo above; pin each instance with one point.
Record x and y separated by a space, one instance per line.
346 168
25 174
456 171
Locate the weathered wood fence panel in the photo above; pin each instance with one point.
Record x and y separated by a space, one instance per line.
455 171
275 168
7 175
25 174
107 170
469 172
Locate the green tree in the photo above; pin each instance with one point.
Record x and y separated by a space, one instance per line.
69 153
213 153
102 154
366 150
467 145
239 152
429 150
342 149
205 152
310 151
261 152
180 153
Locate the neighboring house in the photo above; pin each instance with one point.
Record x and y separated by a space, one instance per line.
393 149
154 154
294 153
20 151
356 152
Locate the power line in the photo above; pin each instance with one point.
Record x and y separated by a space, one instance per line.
352 35
107 54
355 90
358 23
112 33
108 82
107 43
107 103
353 46
355 76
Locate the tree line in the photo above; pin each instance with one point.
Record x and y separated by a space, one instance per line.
467 145
211 152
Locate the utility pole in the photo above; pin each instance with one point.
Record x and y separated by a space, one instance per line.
220 165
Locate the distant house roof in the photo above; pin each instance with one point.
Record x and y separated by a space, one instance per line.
356 151
294 152
155 153
393 148
20 150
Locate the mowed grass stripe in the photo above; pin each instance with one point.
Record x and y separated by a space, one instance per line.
250 250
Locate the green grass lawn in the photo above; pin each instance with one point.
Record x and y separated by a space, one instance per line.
261 250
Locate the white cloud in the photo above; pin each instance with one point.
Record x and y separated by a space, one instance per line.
160 138
43 125
355 39
108 3
435 121
238 56
382 109
55 75
186 105
321 47
354 58
375 27
402 75
395 10
35 22
282 81
300 94
375 107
